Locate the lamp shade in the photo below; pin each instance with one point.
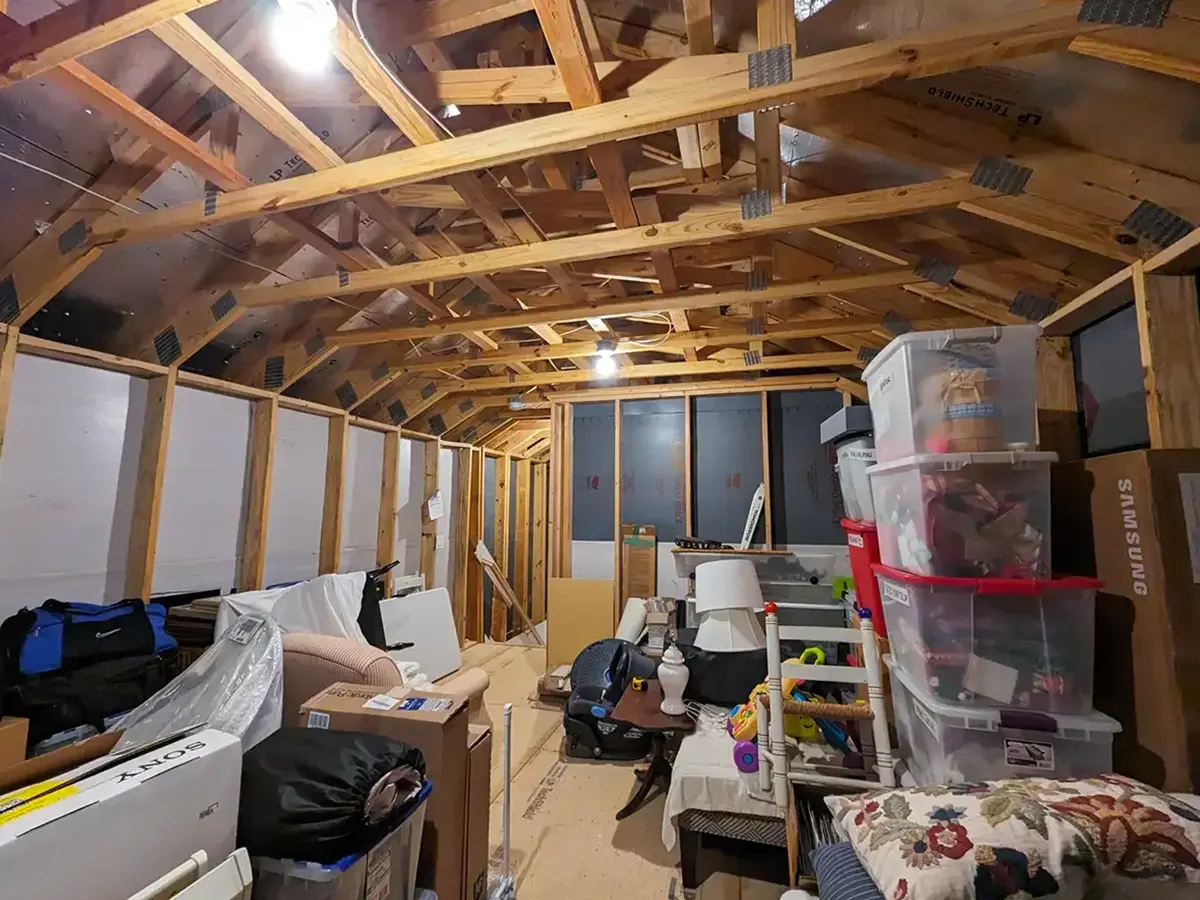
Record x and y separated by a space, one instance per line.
727 630
727 584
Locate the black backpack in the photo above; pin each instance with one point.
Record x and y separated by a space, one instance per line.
89 695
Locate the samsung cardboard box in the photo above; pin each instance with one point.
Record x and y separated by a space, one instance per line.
478 805
436 724
109 827
1133 521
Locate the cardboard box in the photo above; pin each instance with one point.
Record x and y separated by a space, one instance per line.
14 734
478 805
1133 521
110 827
434 723
639 563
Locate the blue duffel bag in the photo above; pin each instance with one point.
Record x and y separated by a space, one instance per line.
60 636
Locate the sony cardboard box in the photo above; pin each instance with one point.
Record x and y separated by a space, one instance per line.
109 827
1133 521
478 805
436 724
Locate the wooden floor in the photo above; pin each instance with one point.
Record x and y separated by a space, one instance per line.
566 842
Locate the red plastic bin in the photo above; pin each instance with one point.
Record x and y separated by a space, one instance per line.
995 642
863 540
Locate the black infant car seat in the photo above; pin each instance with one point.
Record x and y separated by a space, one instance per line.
599 676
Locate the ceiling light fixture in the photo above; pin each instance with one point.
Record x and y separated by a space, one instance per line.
302 34
605 364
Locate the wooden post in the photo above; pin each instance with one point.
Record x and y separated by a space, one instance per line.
147 498
335 485
385 544
462 561
687 463
8 370
1169 340
258 494
768 534
499 624
554 490
538 582
618 600
475 576
428 525
519 577
1057 404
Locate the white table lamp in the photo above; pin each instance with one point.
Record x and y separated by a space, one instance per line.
727 595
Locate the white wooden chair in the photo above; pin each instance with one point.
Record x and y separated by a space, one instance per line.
773 770
193 880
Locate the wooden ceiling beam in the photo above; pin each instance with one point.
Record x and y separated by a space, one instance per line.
43 267
838 72
721 337
633 305
77 29
725 224
650 370
1074 196
129 114
1173 50
409 22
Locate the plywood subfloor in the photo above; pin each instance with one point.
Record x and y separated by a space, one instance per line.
566 842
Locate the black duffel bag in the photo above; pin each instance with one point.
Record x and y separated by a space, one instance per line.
319 796
60 701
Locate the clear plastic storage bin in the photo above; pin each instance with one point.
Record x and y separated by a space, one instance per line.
999 642
388 871
966 391
950 743
967 515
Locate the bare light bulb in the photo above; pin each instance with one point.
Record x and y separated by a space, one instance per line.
302 34
605 365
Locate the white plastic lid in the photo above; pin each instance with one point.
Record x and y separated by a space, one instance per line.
951 461
986 718
937 340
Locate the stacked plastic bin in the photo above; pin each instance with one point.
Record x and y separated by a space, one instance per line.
992 658
848 432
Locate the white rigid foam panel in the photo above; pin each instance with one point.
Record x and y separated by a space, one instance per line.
204 484
297 495
67 478
410 487
360 500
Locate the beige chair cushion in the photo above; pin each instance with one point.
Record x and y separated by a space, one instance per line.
312 662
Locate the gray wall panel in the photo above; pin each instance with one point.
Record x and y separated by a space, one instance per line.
805 500
593 471
1108 364
652 461
727 464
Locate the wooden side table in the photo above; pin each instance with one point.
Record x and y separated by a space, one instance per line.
640 709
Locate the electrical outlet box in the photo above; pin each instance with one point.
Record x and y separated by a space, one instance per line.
440 543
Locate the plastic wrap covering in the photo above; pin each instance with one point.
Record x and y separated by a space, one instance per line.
236 686
326 605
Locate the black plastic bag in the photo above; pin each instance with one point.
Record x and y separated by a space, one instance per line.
318 796
727 678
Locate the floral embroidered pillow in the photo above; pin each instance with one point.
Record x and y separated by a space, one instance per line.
1025 837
